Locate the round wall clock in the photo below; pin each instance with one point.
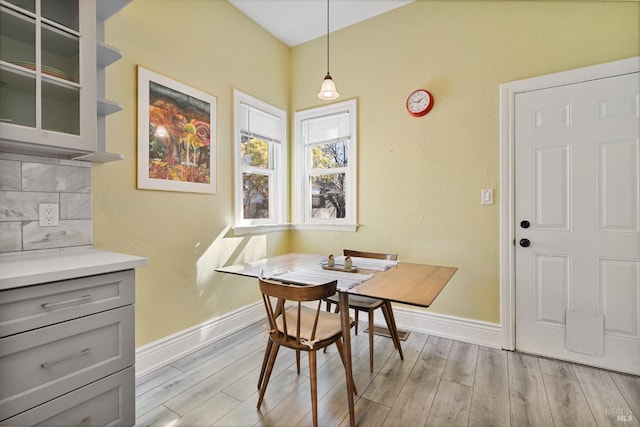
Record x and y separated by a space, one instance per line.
419 102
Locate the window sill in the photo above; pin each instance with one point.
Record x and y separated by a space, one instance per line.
326 227
268 228
260 229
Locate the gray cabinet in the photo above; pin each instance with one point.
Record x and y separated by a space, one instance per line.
48 76
67 352
52 72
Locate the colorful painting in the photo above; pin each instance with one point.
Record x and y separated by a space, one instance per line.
176 135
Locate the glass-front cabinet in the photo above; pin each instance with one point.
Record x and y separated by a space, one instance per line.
48 76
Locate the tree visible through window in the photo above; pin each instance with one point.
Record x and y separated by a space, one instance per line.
328 189
260 159
324 168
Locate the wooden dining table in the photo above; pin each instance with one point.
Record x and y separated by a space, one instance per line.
407 283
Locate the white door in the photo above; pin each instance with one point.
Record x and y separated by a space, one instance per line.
577 212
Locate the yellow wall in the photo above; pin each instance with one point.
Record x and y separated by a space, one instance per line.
419 178
213 47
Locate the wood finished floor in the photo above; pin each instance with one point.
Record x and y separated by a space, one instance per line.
441 382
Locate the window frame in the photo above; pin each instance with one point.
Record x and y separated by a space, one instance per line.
278 200
302 171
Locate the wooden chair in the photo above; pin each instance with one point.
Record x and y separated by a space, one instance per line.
369 305
300 328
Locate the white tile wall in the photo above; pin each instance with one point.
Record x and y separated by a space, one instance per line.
26 181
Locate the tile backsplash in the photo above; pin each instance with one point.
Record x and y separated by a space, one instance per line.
27 181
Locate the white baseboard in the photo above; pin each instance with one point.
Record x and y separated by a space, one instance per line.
456 328
171 348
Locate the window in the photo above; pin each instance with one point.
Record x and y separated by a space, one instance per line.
324 175
260 158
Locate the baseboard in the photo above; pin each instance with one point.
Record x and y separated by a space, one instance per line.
456 328
166 350
171 348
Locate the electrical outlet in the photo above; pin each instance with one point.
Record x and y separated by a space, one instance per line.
48 214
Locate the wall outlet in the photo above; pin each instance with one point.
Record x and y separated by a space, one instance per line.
48 214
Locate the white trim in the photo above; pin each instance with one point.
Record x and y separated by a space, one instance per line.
278 200
169 349
329 226
260 229
301 197
508 92
456 328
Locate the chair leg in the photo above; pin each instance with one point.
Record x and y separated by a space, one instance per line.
391 324
272 361
298 361
313 379
267 352
371 340
341 352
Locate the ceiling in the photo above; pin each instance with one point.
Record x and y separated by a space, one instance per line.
298 21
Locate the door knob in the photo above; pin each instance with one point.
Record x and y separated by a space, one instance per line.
525 224
525 243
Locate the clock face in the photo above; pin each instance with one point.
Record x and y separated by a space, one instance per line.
419 103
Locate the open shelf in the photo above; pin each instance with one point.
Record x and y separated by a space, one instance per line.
106 107
106 54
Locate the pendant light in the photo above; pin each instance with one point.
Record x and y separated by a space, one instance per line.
328 89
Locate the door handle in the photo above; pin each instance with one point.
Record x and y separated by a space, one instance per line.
525 224
525 243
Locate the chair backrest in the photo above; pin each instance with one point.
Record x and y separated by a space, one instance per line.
289 292
375 255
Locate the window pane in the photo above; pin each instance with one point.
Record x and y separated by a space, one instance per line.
327 156
255 196
328 196
255 152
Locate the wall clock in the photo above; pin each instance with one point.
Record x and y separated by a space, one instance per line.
419 102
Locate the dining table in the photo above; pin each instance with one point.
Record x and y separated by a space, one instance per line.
408 283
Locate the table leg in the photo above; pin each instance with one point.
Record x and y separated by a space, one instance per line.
346 336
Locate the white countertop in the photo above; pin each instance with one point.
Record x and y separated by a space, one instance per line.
31 269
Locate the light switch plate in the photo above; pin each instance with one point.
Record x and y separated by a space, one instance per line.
486 196
48 214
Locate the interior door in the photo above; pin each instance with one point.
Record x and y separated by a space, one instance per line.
577 210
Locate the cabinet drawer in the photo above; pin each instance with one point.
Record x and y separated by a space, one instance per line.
31 307
108 402
42 364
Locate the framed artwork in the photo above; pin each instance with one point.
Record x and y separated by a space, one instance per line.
176 135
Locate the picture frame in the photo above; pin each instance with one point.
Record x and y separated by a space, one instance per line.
176 135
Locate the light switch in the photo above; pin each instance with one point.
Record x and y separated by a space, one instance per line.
486 196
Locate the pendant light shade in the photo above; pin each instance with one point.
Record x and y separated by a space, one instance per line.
328 89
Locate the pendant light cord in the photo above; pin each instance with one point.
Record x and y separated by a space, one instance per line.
327 37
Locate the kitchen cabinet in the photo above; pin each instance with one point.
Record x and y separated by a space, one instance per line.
48 76
52 62
67 348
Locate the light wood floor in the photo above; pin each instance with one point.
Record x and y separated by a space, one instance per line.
440 383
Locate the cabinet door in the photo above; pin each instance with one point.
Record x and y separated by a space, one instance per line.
109 402
48 74
45 363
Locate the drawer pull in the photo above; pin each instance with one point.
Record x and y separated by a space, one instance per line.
82 299
84 421
73 356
